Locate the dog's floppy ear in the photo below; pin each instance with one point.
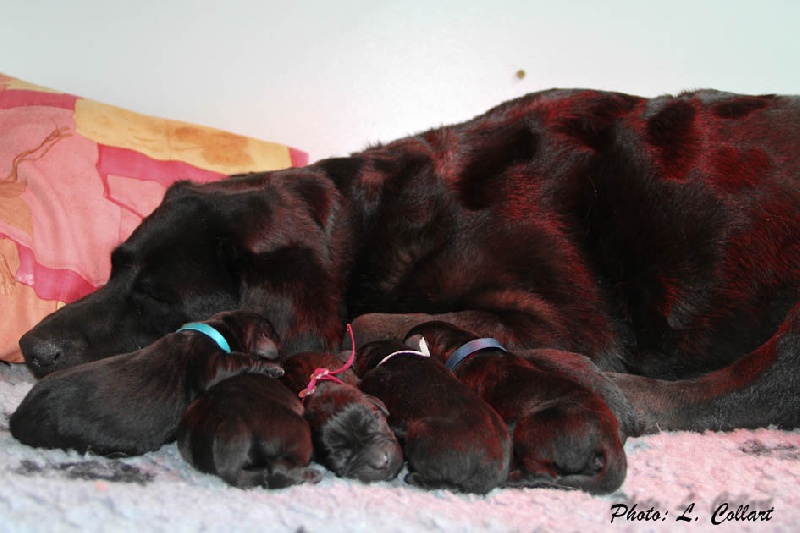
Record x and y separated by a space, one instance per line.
265 348
317 194
379 404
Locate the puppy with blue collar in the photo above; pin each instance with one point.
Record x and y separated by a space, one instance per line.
564 431
451 437
132 403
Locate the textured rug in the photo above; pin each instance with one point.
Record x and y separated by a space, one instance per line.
738 481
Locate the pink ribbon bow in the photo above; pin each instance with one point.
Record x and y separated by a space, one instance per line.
321 374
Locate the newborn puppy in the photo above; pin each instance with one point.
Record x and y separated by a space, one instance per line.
132 403
349 429
564 434
451 437
250 431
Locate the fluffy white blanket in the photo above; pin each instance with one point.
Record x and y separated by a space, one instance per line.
743 480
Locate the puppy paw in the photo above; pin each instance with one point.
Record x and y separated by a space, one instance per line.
280 478
268 368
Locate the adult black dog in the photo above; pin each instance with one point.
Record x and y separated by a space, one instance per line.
451 437
564 434
250 431
658 237
132 403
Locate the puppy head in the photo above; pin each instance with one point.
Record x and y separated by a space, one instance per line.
358 443
247 332
371 354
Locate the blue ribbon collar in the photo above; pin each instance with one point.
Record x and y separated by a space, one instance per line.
210 332
470 348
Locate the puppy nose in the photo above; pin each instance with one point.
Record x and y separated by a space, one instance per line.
381 461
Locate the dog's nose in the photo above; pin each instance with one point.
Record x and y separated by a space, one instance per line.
43 355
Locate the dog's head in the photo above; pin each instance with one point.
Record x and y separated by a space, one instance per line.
262 243
357 442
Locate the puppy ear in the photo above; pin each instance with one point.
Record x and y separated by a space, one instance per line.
379 404
265 348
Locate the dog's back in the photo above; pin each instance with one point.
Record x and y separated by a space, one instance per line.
451 437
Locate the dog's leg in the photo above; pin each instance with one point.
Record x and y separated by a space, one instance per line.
760 389
532 324
379 326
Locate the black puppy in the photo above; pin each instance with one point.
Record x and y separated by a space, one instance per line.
132 403
349 428
451 437
564 434
250 431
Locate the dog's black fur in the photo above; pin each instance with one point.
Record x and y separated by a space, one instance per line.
658 237
250 431
351 435
132 403
451 437
564 435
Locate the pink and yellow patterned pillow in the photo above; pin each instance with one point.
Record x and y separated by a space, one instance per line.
76 177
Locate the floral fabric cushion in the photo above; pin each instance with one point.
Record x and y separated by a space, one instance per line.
76 177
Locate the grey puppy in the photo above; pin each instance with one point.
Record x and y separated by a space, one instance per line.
250 431
349 428
132 403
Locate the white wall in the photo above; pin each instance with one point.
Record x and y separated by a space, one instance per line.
331 77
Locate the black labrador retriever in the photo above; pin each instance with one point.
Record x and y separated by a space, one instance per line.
564 434
451 437
658 237
250 431
132 403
